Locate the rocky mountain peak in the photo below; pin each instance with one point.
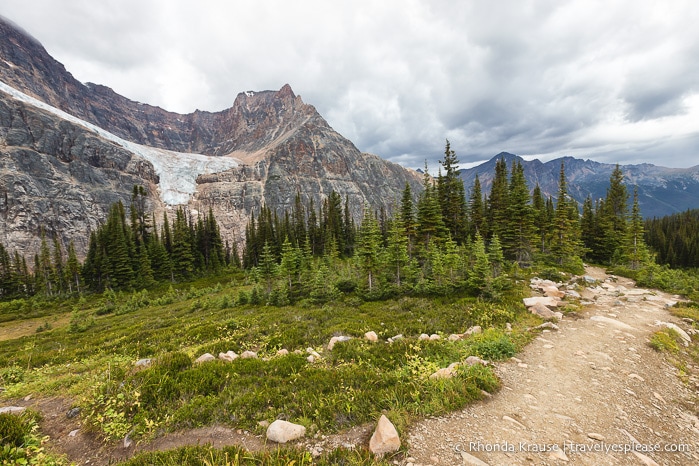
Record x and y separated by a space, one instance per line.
64 171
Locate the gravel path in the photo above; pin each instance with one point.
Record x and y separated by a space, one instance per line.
582 394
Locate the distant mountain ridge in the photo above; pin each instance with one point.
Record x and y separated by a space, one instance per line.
62 173
662 191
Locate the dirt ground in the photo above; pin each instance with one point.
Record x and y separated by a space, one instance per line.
585 394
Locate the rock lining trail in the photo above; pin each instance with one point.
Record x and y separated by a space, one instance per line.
593 385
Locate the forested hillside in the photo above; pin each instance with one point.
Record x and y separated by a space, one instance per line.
440 244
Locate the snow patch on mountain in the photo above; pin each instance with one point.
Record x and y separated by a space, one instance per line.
178 171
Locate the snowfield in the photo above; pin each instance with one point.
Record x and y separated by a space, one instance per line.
178 171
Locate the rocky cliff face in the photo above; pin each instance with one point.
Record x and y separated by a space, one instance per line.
63 171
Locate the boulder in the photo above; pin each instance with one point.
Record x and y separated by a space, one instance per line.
335 340
423 336
685 337
371 336
12 410
396 338
473 360
282 352
248 355
385 438
553 292
545 300
434 336
143 363
206 357
228 356
283 431
542 311
475 330
456 336
446 372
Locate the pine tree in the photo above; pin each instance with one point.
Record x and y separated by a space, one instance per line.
397 250
565 240
182 257
368 247
407 217
637 251
476 208
72 271
496 205
520 230
613 219
430 225
451 195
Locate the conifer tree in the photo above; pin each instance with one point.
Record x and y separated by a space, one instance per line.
565 241
451 195
397 250
613 219
637 251
519 232
430 225
368 247
496 206
476 208
72 271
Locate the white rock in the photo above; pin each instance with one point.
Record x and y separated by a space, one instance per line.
455 337
545 300
248 355
311 359
371 336
228 356
423 336
282 352
143 363
335 340
558 454
596 436
385 438
475 330
434 336
573 294
473 360
12 410
542 311
687 339
206 357
613 322
283 431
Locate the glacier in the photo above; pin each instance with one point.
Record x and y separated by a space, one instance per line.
178 171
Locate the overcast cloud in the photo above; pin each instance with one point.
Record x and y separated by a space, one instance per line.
614 81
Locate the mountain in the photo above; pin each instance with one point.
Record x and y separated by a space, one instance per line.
661 191
68 150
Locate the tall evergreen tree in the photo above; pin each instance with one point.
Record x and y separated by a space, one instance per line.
451 195
368 247
520 231
476 209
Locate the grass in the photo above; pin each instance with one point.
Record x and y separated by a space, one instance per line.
88 353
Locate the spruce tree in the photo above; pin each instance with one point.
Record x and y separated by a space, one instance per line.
520 231
368 247
476 209
451 195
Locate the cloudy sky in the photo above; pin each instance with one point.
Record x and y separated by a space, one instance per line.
614 81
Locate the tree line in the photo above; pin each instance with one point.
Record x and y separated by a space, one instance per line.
122 254
675 238
439 241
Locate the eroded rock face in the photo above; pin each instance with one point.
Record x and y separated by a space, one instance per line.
59 174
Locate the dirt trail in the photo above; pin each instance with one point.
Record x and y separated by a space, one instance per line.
592 384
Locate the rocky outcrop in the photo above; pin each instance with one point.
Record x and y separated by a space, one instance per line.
284 145
58 176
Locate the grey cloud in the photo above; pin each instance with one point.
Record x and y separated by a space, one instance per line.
397 78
